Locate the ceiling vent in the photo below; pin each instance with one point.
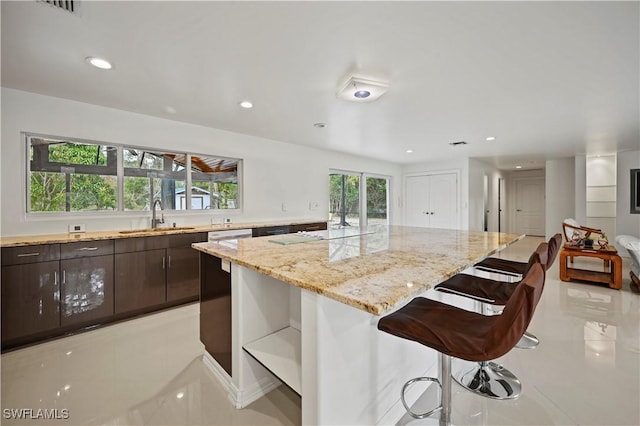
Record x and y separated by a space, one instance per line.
357 89
68 5
457 143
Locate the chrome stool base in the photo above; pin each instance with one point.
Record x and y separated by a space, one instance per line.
527 341
490 380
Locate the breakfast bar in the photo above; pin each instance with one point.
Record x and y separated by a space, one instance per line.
304 310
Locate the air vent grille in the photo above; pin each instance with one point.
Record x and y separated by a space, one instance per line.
68 5
457 143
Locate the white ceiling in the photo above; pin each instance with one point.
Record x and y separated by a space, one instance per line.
548 79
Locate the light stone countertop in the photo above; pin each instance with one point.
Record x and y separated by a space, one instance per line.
28 240
375 271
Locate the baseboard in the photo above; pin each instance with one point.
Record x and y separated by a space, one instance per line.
238 398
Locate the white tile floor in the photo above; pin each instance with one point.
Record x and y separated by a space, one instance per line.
148 371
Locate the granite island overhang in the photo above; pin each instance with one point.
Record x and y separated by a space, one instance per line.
304 311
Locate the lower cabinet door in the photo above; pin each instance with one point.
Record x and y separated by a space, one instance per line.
183 273
140 280
30 299
87 289
215 310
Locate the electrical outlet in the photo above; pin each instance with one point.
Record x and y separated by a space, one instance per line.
227 220
76 227
314 205
284 207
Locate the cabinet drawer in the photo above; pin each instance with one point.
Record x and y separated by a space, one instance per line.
128 245
86 249
30 254
185 240
308 227
270 230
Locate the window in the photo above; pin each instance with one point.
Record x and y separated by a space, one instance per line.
73 176
70 176
358 199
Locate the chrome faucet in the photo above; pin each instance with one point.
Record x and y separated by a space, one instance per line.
155 223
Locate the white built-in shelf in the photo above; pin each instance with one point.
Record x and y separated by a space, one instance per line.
280 352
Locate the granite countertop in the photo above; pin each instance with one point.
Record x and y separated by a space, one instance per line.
28 240
373 271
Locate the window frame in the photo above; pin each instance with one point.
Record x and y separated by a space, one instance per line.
362 204
119 211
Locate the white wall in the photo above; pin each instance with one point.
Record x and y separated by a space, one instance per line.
274 172
580 182
459 164
626 223
559 194
477 171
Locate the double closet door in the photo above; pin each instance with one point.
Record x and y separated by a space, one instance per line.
432 200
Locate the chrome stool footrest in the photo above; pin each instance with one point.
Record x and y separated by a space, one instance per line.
409 383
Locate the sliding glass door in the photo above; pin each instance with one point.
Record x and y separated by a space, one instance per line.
358 199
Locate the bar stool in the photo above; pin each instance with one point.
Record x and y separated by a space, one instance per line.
514 268
488 378
499 265
455 332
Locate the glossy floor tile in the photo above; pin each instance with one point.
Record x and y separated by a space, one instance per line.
148 371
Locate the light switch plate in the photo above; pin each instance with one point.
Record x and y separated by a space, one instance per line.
314 205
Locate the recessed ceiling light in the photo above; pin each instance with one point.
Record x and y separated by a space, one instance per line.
358 89
99 62
518 167
361 94
491 138
409 151
320 125
246 104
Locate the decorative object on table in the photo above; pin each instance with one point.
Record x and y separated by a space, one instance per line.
576 239
603 242
579 233
588 243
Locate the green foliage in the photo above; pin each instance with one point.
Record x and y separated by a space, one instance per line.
136 193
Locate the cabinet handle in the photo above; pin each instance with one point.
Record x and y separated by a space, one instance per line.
87 249
28 254
169 262
64 276
432 213
163 262
55 278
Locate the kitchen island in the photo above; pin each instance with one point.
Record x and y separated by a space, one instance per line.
304 311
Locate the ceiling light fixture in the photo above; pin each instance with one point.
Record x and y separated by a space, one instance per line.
357 89
246 104
409 151
103 64
518 167
491 138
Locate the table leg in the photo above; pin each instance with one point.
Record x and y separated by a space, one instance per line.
563 266
616 273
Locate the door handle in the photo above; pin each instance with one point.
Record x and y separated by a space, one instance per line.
432 213
518 210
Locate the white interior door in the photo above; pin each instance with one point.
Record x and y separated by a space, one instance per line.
432 201
417 201
443 201
530 206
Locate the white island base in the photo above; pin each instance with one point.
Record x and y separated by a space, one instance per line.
332 354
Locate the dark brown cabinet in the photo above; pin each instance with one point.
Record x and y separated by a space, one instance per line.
87 285
152 271
215 310
30 300
308 227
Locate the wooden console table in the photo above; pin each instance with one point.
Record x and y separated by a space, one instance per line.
611 260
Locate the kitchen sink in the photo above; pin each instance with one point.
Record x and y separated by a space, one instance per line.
145 230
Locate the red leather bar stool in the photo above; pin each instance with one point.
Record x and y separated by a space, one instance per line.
455 332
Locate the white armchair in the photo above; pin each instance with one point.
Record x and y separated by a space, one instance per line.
632 245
